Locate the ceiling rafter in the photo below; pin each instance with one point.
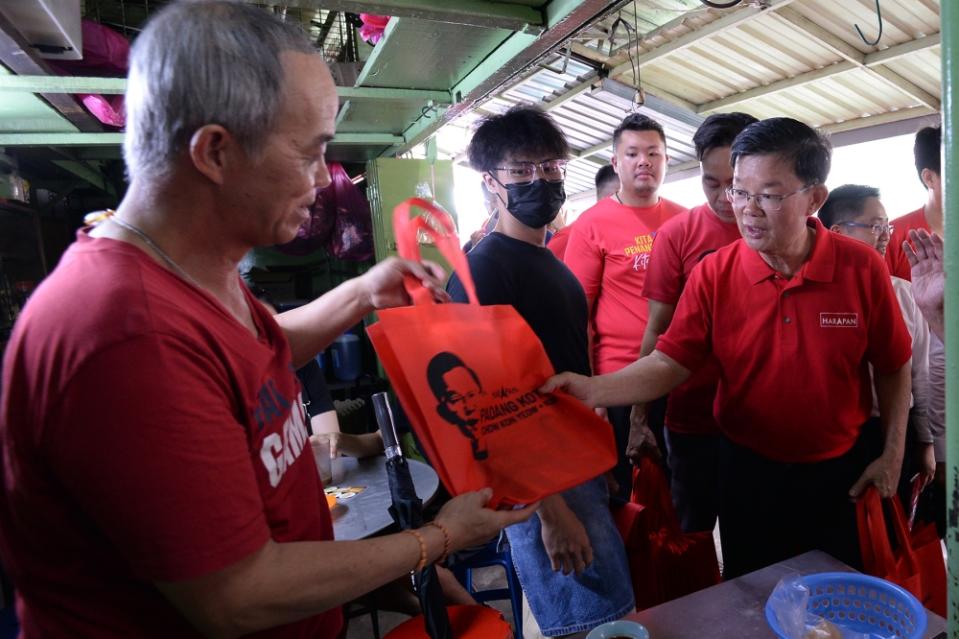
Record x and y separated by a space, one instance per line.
872 61
735 19
76 84
841 48
99 139
17 55
477 13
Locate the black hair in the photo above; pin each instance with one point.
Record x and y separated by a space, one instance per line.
442 363
605 174
809 152
522 130
638 122
926 150
845 203
719 130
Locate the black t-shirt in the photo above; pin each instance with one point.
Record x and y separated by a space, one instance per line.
315 391
541 289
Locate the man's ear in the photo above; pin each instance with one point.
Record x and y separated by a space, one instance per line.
835 228
210 147
615 163
490 182
929 178
819 196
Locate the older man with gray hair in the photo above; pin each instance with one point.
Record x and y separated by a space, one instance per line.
154 481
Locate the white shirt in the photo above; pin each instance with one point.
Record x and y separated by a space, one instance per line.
919 330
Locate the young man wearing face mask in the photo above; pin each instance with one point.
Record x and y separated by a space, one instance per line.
569 558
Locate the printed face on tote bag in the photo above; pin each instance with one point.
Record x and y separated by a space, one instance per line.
458 392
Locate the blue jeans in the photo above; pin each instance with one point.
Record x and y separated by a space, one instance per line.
564 604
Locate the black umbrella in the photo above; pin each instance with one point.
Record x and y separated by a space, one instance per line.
407 512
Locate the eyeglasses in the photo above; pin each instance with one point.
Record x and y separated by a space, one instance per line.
456 398
878 228
769 202
525 172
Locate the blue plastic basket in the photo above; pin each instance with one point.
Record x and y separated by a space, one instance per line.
861 603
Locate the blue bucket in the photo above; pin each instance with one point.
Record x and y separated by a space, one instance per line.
347 357
860 603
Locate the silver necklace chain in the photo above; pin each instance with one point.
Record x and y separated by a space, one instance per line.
156 249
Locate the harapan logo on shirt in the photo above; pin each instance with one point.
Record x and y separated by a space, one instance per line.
839 320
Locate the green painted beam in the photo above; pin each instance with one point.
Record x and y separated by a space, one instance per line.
344 111
385 139
60 139
97 139
416 134
949 27
378 50
477 13
409 95
61 84
71 84
86 173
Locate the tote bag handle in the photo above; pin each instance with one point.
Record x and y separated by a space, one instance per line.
406 229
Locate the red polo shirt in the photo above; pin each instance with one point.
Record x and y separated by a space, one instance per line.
793 354
896 258
608 252
557 244
680 246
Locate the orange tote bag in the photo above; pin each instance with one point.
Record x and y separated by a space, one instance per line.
467 377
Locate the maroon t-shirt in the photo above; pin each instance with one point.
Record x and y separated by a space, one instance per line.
146 436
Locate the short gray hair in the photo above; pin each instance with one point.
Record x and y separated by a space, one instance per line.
199 63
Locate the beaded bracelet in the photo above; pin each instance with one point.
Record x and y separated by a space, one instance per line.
419 538
446 539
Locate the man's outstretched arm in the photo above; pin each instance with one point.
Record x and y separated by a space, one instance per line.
644 380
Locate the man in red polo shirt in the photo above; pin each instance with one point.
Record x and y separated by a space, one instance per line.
608 251
792 315
692 438
929 216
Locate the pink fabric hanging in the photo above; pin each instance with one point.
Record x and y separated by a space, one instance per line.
373 27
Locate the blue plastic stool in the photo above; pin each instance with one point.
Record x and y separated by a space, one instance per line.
491 555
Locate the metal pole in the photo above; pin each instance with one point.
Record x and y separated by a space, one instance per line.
949 26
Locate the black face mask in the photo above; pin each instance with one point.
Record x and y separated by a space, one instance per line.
536 204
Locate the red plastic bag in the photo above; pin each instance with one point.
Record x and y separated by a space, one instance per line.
664 562
916 564
467 377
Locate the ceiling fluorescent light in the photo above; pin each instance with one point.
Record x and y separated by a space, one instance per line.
630 100
617 94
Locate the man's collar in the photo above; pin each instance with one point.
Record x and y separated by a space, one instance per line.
820 266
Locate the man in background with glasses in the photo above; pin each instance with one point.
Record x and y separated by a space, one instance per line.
608 251
793 315
855 211
569 558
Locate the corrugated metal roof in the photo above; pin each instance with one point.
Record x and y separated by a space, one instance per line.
797 58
